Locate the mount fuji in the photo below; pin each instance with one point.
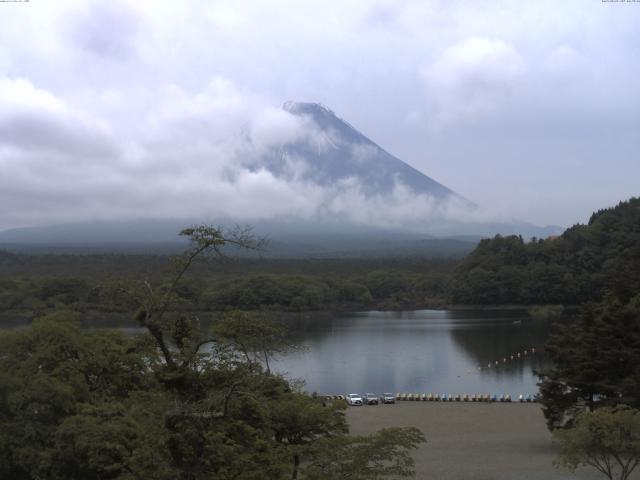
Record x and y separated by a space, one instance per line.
340 152
335 157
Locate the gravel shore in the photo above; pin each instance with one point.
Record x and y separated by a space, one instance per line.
473 441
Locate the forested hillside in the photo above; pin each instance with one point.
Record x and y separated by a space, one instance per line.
578 266
34 285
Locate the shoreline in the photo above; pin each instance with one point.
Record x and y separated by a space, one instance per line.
11 318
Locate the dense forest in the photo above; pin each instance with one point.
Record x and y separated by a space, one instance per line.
590 388
31 285
580 265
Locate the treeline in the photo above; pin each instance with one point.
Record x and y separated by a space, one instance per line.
293 286
580 265
378 289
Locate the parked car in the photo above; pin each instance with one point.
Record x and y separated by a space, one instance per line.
388 398
354 399
371 399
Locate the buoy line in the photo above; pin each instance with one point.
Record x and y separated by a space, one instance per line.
508 359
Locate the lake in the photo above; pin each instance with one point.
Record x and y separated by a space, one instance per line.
422 351
439 351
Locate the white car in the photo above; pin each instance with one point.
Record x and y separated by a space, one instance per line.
388 398
354 399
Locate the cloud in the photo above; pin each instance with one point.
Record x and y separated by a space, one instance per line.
564 67
133 108
105 29
363 152
562 57
195 156
35 120
472 77
383 14
402 208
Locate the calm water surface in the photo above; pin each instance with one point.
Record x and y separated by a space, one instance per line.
438 351
419 351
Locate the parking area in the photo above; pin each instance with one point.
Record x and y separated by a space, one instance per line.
472 441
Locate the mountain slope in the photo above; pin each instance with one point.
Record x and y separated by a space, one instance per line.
337 152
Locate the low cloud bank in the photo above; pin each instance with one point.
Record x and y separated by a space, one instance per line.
186 156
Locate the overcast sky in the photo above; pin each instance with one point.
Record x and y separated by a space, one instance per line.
116 109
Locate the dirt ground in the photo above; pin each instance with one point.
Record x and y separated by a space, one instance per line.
473 441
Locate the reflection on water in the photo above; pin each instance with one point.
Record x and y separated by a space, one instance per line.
419 351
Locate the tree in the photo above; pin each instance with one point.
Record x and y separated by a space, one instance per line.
94 404
607 439
385 454
595 362
255 335
154 303
583 264
79 404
